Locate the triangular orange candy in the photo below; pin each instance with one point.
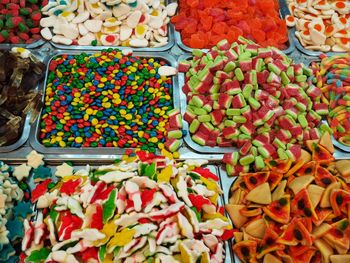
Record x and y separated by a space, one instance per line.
302 206
305 257
274 179
322 214
269 243
307 169
321 155
252 180
279 166
279 210
246 250
323 177
339 234
296 233
340 200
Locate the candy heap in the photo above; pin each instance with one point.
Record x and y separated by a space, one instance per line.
20 72
332 76
14 208
321 25
20 21
294 211
251 97
110 23
203 24
145 208
108 99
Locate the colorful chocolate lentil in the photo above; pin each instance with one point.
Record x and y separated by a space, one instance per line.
106 100
332 76
20 21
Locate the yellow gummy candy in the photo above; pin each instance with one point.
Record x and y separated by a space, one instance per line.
186 255
165 174
207 216
109 229
167 154
121 239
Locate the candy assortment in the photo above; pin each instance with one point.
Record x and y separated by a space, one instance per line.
109 99
20 72
141 209
332 76
20 21
251 97
108 23
202 24
321 25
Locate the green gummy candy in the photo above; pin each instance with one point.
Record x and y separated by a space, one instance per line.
279 143
290 72
239 119
199 111
175 134
24 11
4 33
274 68
282 154
239 74
247 159
194 125
229 123
9 23
244 56
229 66
109 207
38 256
324 127
204 118
303 121
301 78
197 53
1 24
247 90
284 78
254 103
229 169
233 112
259 162
22 27
197 101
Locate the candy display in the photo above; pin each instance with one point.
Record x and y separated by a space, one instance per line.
109 23
251 97
108 99
321 25
202 24
20 72
293 211
332 76
145 208
14 209
20 21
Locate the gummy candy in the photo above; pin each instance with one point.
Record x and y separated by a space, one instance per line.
203 24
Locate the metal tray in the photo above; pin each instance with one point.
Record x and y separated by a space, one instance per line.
171 42
33 45
52 163
35 131
179 42
187 138
285 11
25 130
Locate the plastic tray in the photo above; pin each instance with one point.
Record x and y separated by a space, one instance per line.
35 131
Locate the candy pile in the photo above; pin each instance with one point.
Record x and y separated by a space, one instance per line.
108 99
14 208
203 24
332 76
251 97
20 21
321 25
145 208
20 72
110 23
294 212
